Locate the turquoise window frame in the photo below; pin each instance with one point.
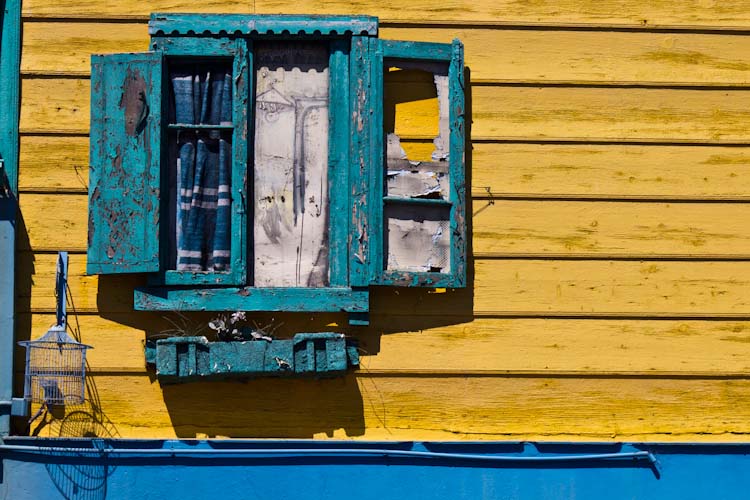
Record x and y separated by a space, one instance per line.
355 165
239 50
451 55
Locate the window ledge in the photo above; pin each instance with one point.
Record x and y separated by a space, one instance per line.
252 299
184 359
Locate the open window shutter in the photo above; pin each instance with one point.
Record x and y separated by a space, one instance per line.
419 203
125 162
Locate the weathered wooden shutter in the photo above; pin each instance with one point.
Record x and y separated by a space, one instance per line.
125 163
418 215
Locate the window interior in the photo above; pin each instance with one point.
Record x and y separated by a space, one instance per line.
200 158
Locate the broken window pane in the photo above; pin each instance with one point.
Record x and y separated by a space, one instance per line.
418 238
416 111
200 159
291 165
417 132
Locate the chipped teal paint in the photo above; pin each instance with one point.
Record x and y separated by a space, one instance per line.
338 173
427 52
261 25
252 299
59 468
360 161
192 46
10 61
356 174
240 51
183 359
456 90
125 172
378 163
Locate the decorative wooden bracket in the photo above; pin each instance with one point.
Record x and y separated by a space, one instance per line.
318 355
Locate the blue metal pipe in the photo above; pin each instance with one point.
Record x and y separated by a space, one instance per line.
170 452
10 59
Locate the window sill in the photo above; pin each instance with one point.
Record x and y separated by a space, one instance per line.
252 299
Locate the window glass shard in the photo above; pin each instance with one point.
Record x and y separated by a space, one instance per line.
291 165
417 131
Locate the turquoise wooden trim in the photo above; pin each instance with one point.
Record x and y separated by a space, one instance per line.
414 279
360 161
338 171
190 126
10 90
377 162
125 176
260 25
426 51
252 299
318 355
240 51
242 116
10 96
190 278
424 202
457 118
192 46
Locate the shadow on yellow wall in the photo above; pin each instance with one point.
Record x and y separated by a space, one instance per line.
259 408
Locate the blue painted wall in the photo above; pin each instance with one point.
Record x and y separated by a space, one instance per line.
198 470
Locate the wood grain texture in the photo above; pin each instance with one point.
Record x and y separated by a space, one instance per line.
59 47
541 170
593 113
504 287
503 227
117 347
407 408
515 55
681 288
562 346
592 56
485 345
590 228
610 171
54 221
632 12
55 104
54 163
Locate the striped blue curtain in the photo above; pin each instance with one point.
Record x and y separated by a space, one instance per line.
203 96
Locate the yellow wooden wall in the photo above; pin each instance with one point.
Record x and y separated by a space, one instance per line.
610 171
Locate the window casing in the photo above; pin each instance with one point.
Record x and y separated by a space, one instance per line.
134 194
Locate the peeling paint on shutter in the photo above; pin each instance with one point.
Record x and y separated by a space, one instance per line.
125 163
420 225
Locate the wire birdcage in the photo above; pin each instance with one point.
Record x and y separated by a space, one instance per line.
55 368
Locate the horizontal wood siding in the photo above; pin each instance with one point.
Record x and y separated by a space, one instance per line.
610 175
637 13
498 112
505 228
